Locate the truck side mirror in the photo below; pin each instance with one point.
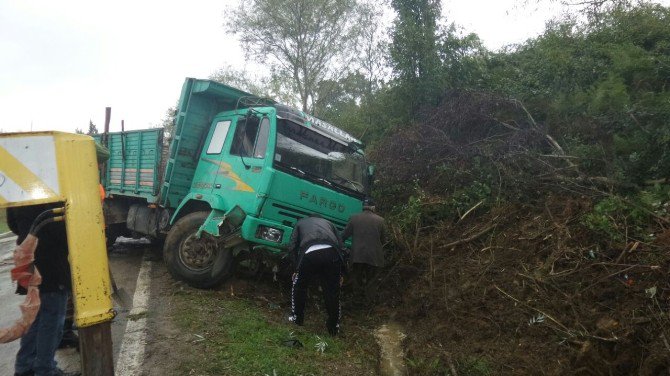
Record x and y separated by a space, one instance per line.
371 175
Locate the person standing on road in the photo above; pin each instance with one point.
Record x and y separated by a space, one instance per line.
368 233
315 246
37 350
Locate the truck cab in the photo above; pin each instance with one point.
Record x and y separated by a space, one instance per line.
240 172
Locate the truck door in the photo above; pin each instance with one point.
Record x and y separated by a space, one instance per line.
240 160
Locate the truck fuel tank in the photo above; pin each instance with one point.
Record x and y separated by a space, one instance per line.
148 220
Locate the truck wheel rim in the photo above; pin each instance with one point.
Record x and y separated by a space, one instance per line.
197 254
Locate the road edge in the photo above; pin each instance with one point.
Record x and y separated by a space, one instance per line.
131 354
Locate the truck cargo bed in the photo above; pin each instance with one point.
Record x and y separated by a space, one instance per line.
134 163
200 101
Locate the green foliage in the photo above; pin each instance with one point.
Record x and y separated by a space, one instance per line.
463 59
339 101
274 86
414 50
408 215
168 124
611 217
475 366
601 85
620 218
240 79
466 197
92 128
348 103
422 208
301 41
469 366
426 366
428 59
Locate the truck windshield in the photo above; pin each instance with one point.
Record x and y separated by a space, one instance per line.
311 155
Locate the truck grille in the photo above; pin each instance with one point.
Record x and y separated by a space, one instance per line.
295 215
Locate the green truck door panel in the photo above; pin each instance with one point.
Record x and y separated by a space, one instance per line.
208 167
233 160
200 102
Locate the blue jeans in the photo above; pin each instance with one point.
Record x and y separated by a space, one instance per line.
39 344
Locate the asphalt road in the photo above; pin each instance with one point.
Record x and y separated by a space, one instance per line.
125 261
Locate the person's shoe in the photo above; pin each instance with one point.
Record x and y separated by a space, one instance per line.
69 340
60 372
334 330
294 319
27 373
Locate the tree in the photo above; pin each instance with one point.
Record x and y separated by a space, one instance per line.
239 79
92 129
414 50
303 41
595 9
372 49
600 85
168 123
260 86
463 59
340 102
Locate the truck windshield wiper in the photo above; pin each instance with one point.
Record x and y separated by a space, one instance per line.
325 181
310 175
356 185
301 172
314 177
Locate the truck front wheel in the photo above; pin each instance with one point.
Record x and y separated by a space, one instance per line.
197 261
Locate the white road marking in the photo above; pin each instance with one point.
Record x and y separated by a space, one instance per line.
131 355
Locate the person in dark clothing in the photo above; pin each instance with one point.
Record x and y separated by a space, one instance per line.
70 339
368 233
315 246
38 346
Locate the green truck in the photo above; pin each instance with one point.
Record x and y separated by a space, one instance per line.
239 172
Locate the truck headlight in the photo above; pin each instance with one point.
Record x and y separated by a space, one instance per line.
270 234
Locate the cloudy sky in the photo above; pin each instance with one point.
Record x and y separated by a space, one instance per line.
62 62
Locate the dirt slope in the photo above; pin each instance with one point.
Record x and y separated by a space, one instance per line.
534 293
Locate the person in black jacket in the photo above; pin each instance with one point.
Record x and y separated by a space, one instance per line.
38 346
315 246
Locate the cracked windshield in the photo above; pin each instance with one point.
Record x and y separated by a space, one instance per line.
323 159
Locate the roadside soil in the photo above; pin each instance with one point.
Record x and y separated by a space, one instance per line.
537 294
186 335
168 347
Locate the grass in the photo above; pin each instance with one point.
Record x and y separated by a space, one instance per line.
468 366
3 221
475 366
237 336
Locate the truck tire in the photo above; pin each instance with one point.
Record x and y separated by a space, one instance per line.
198 262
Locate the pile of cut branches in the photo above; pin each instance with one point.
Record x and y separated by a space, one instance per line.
511 259
476 138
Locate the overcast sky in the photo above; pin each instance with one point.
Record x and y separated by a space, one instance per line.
62 62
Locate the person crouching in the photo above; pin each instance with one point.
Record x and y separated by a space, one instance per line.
315 246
